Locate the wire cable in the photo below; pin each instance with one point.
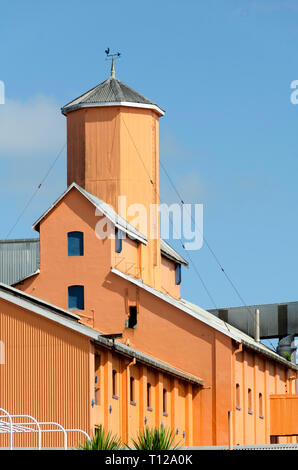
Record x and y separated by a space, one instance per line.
36 191
209 247
157 193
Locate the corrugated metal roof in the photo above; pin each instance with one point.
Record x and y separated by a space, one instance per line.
18 259
170 253
209 319
70 320
112 91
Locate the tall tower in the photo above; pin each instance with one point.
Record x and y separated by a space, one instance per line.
113 150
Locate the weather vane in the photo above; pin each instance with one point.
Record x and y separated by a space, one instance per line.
112 57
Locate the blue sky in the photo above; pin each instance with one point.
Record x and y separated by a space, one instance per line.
221 70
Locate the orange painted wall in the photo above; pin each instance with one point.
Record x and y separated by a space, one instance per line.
284 415
168 285
126 417
263 376
113 151
162 331
45 375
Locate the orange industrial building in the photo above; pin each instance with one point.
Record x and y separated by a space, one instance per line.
176 364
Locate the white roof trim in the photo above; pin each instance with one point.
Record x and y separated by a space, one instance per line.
209 319
171 300
28 302
105 209
118 221
129 104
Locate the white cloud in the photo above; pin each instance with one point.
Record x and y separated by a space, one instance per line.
171 149
31 128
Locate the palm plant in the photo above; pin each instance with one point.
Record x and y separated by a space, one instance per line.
102 440
154 439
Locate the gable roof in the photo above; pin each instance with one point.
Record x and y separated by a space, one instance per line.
116 220
104 208
111 92
208 318
169 252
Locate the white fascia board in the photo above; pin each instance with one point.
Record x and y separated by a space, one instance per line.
116 103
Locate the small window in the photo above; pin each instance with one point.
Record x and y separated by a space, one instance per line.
177 274
249 401
164 400
132 390
132 320
238 397
261 405
76 297
75 244
148 395
114 383
118 240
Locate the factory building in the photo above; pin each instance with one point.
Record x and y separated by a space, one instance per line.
94 328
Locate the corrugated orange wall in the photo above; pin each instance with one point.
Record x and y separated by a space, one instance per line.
113 151
163 331
284 415
46 373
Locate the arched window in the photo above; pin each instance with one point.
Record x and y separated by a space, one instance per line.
177 274
76 297
118 240
148 395
261 415
75 244
164 400
238 397
132 390
114 382
97 379
249 401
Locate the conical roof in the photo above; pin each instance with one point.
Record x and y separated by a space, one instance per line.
111 92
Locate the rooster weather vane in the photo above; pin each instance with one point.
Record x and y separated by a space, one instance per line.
112 57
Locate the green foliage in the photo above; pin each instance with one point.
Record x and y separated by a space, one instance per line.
154 439
102 441
287 356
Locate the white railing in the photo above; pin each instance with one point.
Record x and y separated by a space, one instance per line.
31 425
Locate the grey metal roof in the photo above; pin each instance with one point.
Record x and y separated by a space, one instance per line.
208 318
110 92
170 253
18 259
70 320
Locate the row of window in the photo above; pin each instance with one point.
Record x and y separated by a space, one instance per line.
75 243
132 397
75 247
249 401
